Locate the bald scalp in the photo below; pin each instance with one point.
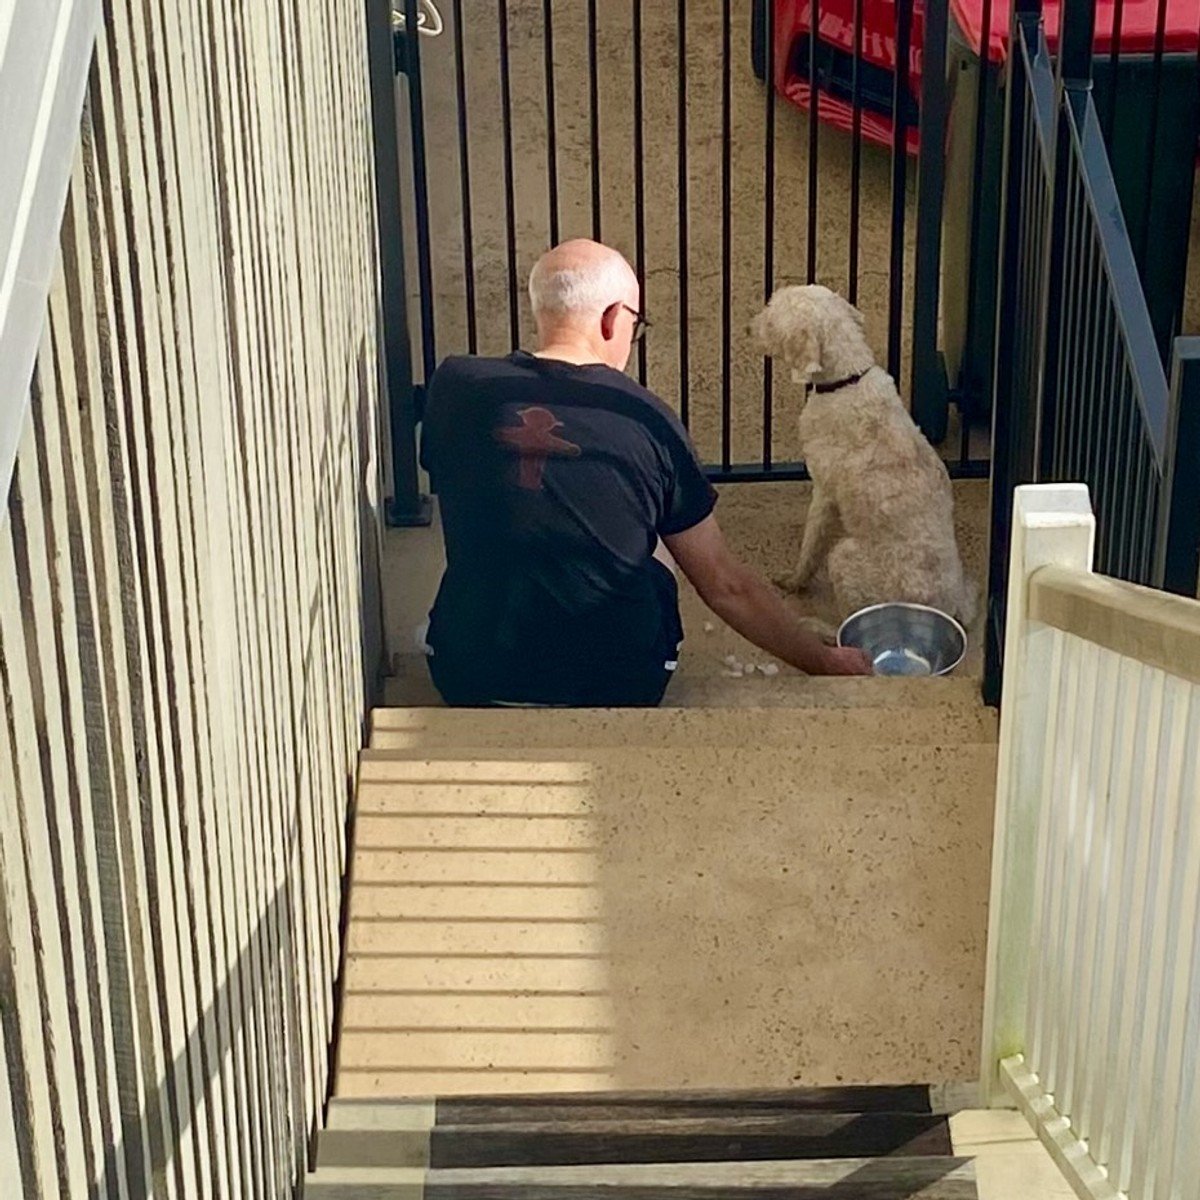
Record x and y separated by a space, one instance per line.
580 278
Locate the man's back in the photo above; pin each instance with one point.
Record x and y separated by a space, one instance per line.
555 482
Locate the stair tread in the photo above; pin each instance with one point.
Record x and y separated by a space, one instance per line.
460 733
708 689
892 1178
490 1109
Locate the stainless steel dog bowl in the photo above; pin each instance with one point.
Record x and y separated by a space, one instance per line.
906 639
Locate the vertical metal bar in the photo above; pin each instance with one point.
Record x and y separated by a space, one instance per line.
856 151
684 187
1141 535
594 118
1114 66
769 233
977 199
899 183
1092 299
1177 556
510 201
412 41
639 175
551 118
1160 34
726 232
1062 312
464 162
1128 415
930 394
1101 305
1104 465
814 106
406 504
1077 34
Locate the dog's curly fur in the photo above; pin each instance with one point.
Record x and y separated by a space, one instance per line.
882 514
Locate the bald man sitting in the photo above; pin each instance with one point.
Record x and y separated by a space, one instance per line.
559 480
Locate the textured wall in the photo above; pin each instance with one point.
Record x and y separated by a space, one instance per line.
189 610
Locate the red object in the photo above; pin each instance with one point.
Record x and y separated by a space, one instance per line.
793 21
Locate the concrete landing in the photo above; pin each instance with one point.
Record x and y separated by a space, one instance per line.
764 522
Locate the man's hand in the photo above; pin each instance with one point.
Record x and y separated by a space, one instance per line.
751 606
845 660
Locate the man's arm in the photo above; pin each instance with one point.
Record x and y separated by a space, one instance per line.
744 600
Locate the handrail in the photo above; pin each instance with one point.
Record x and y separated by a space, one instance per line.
1154 628
45 51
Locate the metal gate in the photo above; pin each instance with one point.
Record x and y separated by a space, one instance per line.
649 124
1081 391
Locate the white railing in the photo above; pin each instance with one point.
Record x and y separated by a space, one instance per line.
1092 1020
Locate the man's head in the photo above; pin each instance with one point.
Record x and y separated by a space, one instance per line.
587 296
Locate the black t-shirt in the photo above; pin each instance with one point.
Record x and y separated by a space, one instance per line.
555 482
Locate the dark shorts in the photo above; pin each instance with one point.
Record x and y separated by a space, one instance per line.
594 679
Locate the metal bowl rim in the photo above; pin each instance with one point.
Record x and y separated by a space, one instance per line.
871 608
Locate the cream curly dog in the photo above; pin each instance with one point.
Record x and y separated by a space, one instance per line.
882 514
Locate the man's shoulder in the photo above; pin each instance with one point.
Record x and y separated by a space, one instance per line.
472 366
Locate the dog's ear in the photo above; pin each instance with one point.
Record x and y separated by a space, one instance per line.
790 328
802 352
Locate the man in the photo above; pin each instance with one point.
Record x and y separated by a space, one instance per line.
560 481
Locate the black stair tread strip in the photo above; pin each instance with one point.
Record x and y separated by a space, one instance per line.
464 1110
875 1179
796 1136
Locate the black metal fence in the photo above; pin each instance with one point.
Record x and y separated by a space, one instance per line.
1081 394
641 122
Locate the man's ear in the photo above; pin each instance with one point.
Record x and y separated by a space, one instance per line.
608 321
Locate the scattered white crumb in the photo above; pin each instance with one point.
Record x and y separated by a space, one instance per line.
769 669
731 661
709 627
732 674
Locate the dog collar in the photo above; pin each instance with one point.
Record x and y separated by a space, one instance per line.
824 389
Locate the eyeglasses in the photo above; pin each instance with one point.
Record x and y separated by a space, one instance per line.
640 323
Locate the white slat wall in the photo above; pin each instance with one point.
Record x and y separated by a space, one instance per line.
188 599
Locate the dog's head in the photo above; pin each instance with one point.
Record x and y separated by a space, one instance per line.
801 325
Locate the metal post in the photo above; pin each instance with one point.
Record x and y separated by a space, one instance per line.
903 9
408 506
930 391
1010 406
1177 559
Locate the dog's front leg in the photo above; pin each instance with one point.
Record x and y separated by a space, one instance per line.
818 535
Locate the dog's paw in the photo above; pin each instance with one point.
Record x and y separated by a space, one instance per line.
792 581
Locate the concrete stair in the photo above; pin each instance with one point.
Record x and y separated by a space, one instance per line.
867 1143
564 901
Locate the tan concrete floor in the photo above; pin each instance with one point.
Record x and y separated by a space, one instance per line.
763 522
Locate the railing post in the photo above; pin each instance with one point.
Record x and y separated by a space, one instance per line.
408 506
1011 411
1177 561
1052 525
930 391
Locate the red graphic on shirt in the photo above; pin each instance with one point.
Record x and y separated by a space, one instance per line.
535 441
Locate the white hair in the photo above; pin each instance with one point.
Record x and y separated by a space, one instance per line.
584 290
